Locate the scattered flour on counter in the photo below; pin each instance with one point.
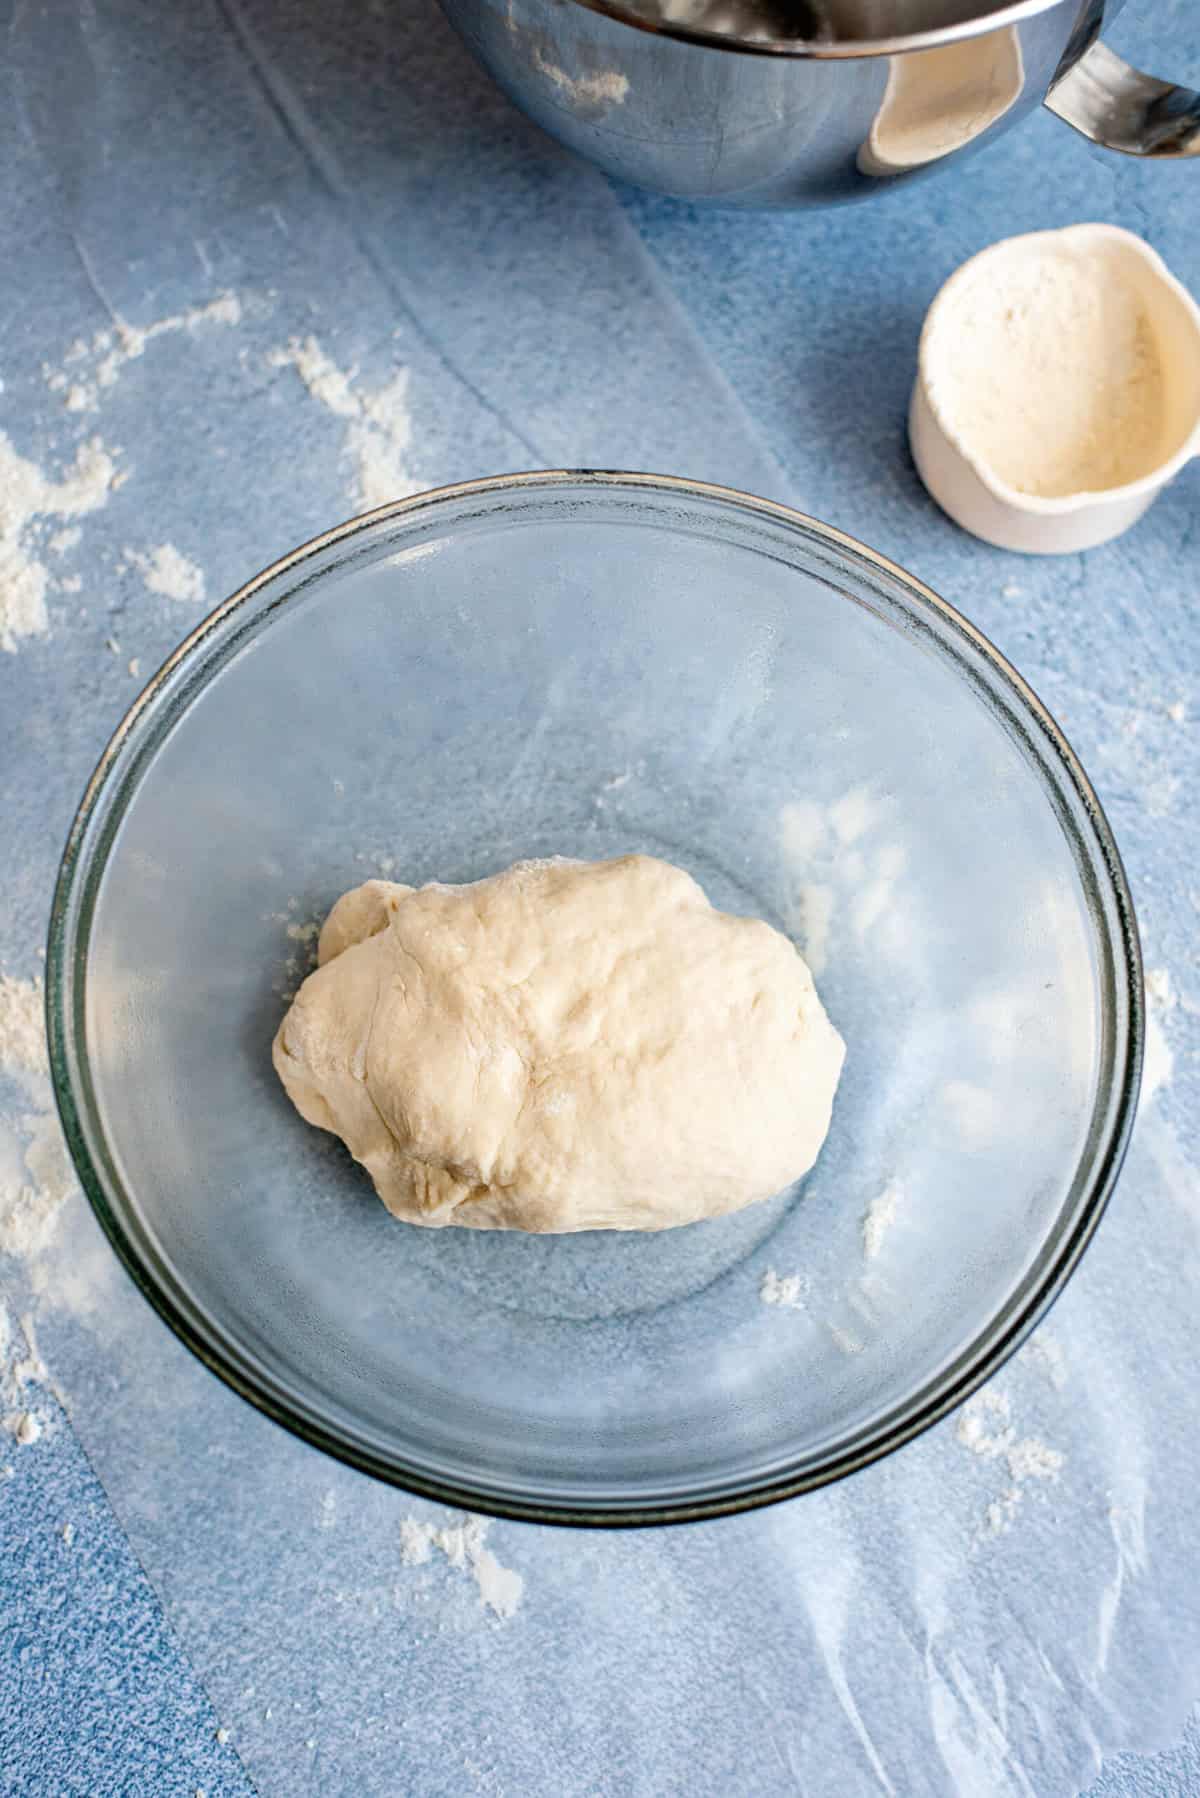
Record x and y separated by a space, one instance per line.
28 496
378 425
111 349
1158 1064
880 1215
19 1370
1033 1460
324 379
165 570
23 1427
22 1027
1177 712
786 1290
463 1545
1159 991
986 1428
1045 1354
68 1534
984 1424
36 1175
31 1198
1001 1513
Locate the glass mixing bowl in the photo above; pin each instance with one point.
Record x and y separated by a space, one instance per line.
588 664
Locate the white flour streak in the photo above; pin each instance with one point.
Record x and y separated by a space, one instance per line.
877 897
801 831
1159 991
810 922
1044 1353
852 815
984 1424
463 1545
323 378
986 1428
880 1215
27 497
22 1027
1158 1064
1002 1511
834 870
165 570
786 1290
18 1371
110 350
1033 1460
378 425
36 1175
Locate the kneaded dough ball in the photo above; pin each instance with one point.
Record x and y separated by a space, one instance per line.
567 1046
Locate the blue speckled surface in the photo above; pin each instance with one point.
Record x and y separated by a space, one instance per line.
346 172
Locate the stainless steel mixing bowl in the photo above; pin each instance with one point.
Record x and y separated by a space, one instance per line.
785 103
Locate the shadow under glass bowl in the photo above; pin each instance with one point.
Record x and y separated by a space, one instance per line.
589 664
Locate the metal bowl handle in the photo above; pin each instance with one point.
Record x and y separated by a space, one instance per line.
1122 109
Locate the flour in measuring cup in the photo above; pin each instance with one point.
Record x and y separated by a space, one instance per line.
1045 366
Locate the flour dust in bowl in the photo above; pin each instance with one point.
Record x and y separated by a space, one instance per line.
593 666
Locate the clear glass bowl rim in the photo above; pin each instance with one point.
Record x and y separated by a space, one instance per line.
115 778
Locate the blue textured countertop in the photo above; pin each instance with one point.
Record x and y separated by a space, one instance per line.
192 1602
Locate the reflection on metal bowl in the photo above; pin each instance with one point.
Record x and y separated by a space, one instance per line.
740 103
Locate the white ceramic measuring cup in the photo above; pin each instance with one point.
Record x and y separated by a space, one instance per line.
955 468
